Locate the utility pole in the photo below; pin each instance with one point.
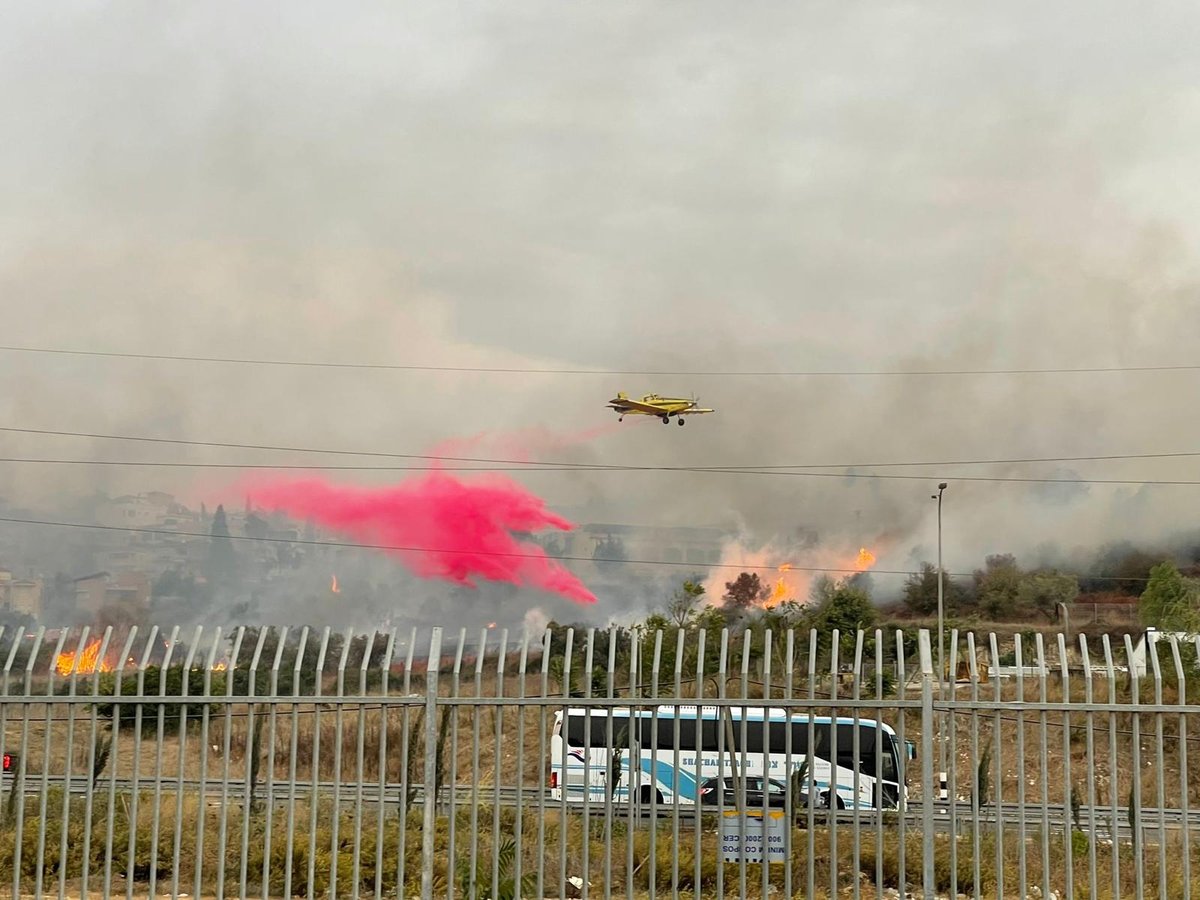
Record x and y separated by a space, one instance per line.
941 641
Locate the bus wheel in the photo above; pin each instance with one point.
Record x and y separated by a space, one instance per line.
648 794
837 801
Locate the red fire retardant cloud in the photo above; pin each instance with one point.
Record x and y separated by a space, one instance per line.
451 529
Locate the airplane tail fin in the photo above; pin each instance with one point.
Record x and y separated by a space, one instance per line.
621 395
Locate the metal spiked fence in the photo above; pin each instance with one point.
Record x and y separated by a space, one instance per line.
579 763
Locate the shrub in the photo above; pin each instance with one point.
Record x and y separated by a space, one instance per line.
156 684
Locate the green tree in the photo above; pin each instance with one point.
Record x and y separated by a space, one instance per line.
921 591
601 638
800 788
983 776
712 622
358 648
848 609
1170 600
308 675
565 680
1043 591
666 658
157 684
998 587
682 607
616 763
778 620
222 560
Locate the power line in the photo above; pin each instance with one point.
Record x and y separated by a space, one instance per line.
583 467
509 555
273 447
520 463
435 550
529 370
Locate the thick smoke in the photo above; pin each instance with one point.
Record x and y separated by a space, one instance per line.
662 190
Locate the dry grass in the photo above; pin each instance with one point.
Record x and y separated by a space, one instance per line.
655 857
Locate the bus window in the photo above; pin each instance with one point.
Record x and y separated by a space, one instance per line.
666 734
845 749
599 723
687 733
799 737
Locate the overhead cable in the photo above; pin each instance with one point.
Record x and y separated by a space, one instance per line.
282 448
12 520
664 373
613 469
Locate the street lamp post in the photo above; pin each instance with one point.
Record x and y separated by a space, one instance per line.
941 666
941 615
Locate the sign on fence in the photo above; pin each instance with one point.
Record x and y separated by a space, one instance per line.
758 834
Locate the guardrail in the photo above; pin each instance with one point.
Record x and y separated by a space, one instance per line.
295 763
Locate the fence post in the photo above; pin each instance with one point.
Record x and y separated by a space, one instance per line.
429 789
927 747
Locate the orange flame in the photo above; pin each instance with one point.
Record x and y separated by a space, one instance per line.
333 586
89 661
221 666
491 624
780 590
794 581
784 589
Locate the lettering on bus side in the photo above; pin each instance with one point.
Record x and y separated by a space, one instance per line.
714 762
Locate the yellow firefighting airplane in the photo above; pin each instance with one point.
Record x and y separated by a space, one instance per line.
654 405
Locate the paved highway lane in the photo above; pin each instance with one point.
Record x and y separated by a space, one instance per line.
349 794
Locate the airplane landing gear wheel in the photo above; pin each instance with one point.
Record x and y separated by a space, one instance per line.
666 420
681 421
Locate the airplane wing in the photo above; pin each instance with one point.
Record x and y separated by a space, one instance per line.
694 412
638 406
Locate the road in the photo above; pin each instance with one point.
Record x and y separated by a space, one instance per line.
369 794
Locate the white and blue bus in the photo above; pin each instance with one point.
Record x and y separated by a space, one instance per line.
679 748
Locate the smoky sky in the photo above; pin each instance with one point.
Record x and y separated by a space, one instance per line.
701 187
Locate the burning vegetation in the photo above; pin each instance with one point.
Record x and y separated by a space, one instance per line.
89 660
85 661
794 584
